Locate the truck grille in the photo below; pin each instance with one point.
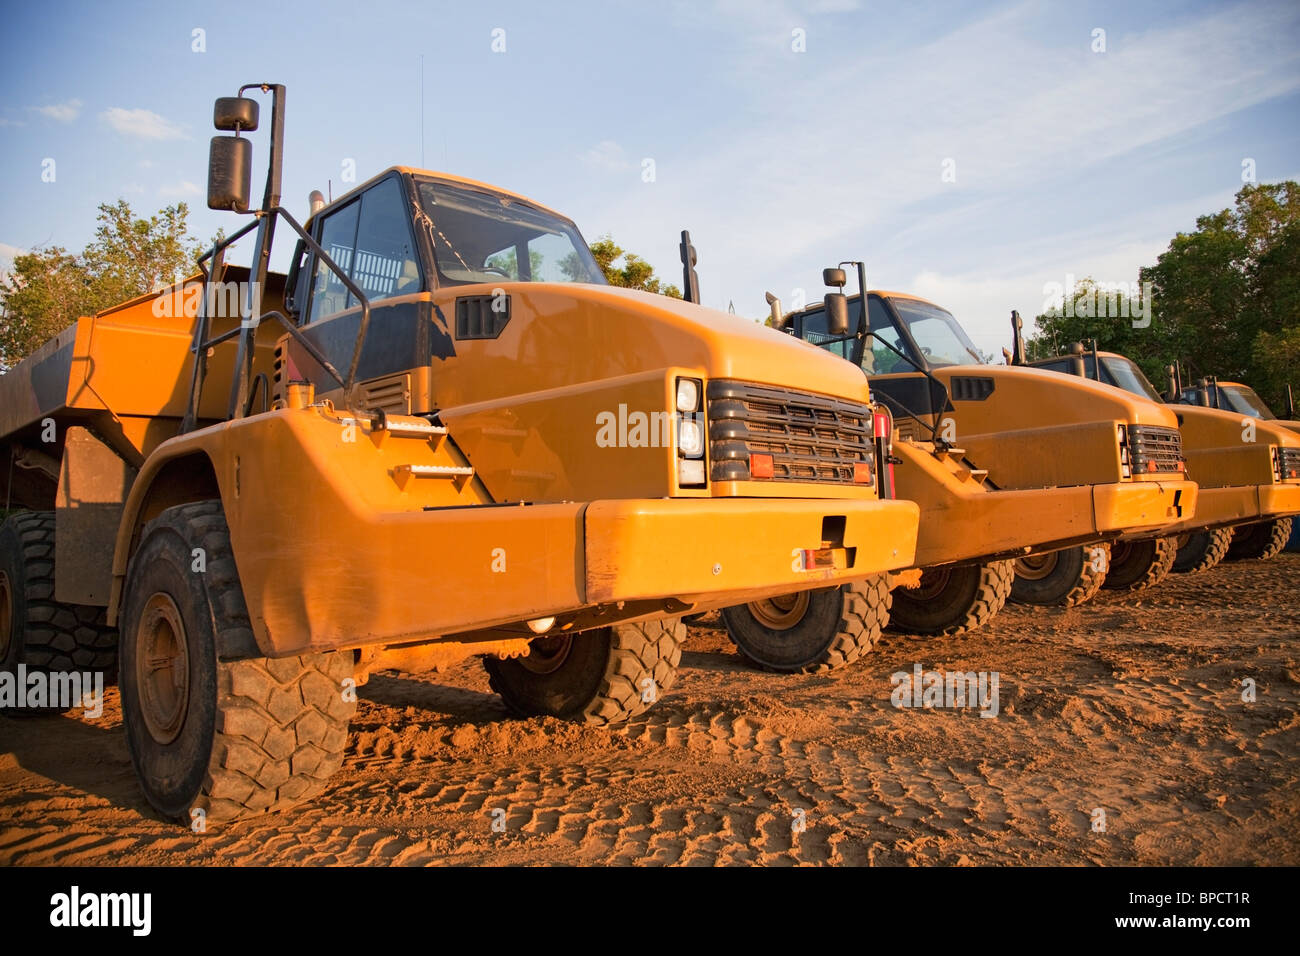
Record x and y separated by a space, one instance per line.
809 437
1154 449
1289 460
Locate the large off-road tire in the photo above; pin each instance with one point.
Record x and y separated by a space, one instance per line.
812 631
228 738
951 601
600 677
36 630
1202 550
1138 565
1263 539
56 636
1064 578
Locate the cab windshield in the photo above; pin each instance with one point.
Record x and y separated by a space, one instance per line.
1242 398
939 336
1129 377
480 236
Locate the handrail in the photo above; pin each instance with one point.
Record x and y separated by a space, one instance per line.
868 334
201 343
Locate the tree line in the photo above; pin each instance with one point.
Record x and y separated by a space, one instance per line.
1225 297
1225 300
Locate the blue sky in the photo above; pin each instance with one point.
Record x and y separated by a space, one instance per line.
1066 160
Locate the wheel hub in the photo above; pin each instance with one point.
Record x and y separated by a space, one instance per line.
162 668
780 613
1036 567
933 583
547 654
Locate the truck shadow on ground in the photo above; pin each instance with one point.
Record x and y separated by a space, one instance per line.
57 747
450 701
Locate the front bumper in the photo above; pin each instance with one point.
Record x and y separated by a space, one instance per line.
981 525
713 552
1135 506
1221 507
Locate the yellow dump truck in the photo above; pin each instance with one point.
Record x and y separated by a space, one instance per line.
440 435
1248 470
1005 463
1260 539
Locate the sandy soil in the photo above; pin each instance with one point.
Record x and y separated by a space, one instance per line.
1132 704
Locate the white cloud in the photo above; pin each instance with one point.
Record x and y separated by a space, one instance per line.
142 124
7 255
179 190
803 191
606 155
59 112
5 121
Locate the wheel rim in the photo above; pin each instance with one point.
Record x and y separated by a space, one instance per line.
162 668
1035 567
780 613
933 583
6 615
547 654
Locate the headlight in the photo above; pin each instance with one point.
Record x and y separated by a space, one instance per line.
688 395
690 437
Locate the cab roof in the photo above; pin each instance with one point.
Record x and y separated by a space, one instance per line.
440 177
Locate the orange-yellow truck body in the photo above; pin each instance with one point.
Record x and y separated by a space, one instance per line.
339 538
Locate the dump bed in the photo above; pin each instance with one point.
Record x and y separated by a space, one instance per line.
127 370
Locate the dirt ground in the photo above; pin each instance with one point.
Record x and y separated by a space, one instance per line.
1131 705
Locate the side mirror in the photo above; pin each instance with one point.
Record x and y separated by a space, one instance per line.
834 277
234 114
779 320
230 171
837 311
1076 360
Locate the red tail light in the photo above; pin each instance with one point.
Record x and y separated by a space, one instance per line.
760 466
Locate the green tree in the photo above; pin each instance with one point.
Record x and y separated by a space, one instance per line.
1226 299
49 289
1230 287
634 273
42 295
1092 311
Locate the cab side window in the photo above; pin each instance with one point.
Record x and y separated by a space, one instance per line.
385 263
369 239
338 234
879 360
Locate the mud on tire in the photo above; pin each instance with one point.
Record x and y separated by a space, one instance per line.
600 677
229 738
812 631
1138 565
1261 540
1064 578
952 601
39 631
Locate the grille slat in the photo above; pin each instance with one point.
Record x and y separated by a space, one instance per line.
810 437
1156 444
1290 462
